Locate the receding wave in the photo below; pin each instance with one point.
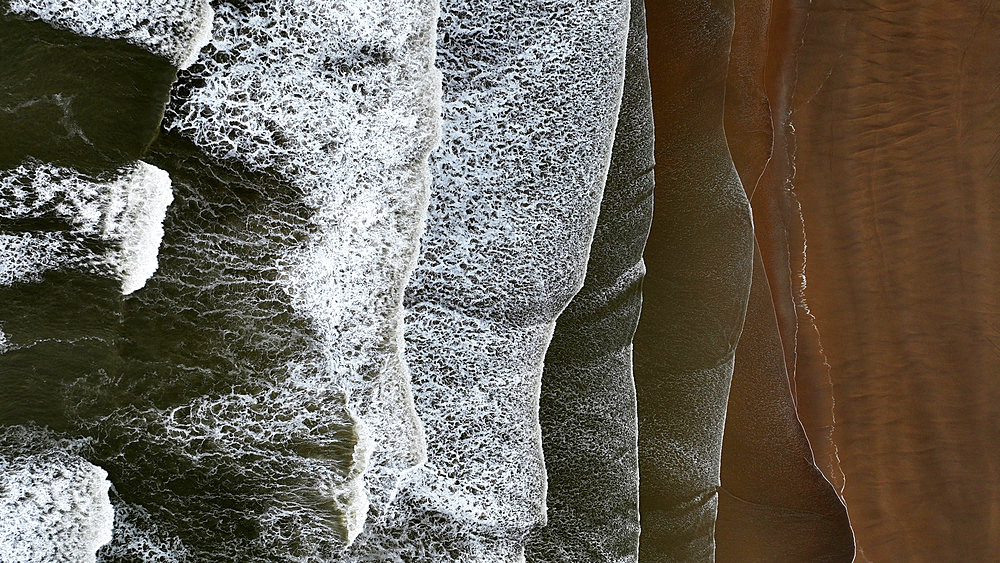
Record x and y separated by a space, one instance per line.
518 180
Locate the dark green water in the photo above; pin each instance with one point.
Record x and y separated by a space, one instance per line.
84 103
188 389
77 101
213 395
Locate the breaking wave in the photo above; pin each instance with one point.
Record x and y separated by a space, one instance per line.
55 504
341 101
110 225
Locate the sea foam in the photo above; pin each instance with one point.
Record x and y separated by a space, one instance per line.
342 102
173 29
54 504
124 210
588 402
531 96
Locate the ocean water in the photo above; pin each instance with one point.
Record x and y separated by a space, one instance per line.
588 404
699 259
173 29
531 93
277 279
341 102
60 113
79 227
235 398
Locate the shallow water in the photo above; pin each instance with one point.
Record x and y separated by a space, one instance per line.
699 258
587 408
774 503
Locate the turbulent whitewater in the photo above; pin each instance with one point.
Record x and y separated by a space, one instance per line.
251 400
235 351
518 179
54 504
174 29
126 210
341 102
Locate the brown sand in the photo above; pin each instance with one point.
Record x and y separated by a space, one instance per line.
887 122
897 115
775 505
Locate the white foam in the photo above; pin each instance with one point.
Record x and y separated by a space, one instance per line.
126 210
54 505
138 224
140 540
340 100
173 29
531 97
24 257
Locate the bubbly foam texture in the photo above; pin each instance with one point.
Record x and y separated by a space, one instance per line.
54 505
173 29
24 257
125 211
342 101
228 442
139 212
531 95
588 401
138 538
263 439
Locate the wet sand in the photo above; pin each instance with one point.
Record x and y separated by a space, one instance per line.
896 115
775 504
866 136
877 215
